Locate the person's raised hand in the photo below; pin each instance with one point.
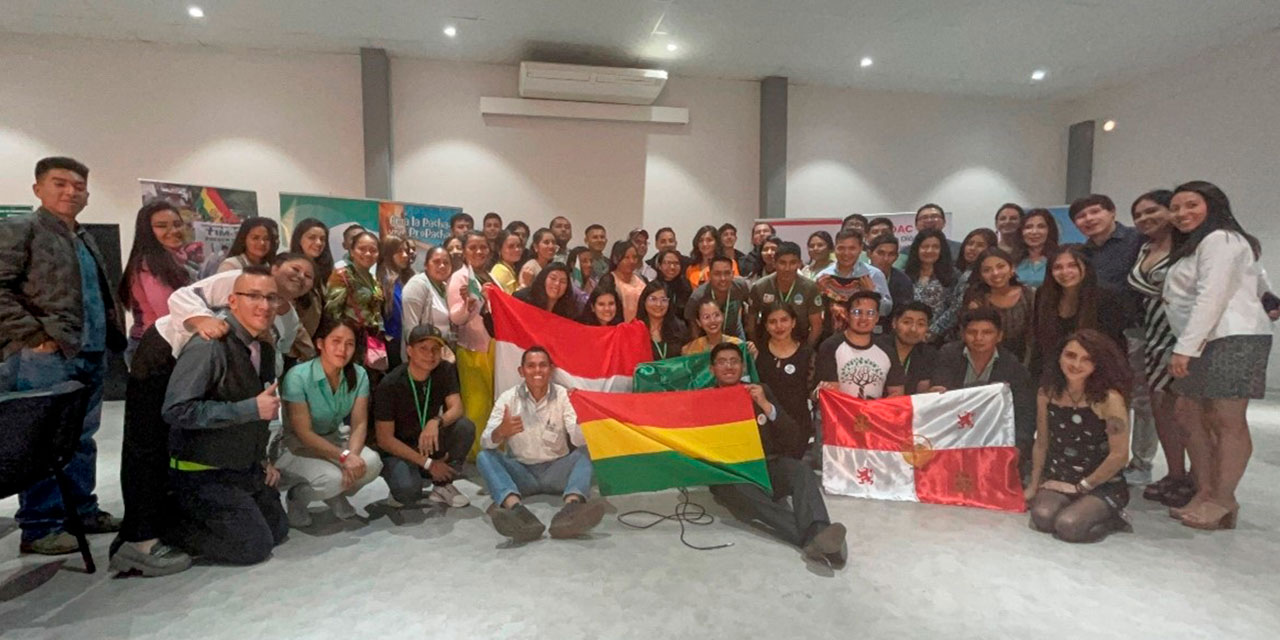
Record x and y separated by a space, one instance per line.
269 402
511 425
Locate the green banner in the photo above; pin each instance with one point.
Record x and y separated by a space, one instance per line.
686 373
335 213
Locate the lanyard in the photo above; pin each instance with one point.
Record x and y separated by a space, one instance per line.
787 298
422 418
661 349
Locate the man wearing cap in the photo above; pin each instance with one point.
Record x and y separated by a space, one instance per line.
420 425
639 239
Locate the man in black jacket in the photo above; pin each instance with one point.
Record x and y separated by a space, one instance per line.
978 359
805 523
58 317
220 398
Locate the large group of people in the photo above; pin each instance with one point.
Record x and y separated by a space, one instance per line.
1153 334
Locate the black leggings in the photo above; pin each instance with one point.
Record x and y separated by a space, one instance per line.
1085 518
144 455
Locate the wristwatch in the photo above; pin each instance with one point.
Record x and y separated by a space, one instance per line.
1083 486
343 456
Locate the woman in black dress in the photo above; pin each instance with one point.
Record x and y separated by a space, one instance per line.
1077 490
785 365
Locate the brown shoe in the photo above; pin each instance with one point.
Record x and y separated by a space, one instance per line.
576 518
829 546
54 544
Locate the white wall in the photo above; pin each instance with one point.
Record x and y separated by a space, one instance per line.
851 151
247 120
619 174
1215 119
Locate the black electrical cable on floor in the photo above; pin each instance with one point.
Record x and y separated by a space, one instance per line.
686 512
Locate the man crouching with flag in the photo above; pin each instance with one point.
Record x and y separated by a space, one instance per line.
804 524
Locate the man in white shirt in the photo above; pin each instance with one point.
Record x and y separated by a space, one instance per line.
537 424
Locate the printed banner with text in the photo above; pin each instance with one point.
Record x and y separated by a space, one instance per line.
213 215
427 224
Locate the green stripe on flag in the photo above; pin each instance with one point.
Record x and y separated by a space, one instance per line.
686 373
669 469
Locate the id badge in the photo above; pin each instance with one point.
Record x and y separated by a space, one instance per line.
550 436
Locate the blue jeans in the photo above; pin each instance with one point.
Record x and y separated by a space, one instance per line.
504 475
40 511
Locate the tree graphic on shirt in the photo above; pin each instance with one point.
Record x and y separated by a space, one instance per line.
861 372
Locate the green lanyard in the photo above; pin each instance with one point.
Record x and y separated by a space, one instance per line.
787 298
422 418
661 349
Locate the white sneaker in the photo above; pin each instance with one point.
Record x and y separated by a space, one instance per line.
341 508
449 495
299 517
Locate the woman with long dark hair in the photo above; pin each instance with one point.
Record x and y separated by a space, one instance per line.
1077 490
1008 226
670 266
544 248
425 301
706 245
667 332
1212 295
785 364
257 242
1038 238
997 286
1152 218
156 267
310 238
624 279
602 309
820 246
320 463
1065 303
395 268
468 308
551 292
974 243
582 272
505 271
354 294
929 267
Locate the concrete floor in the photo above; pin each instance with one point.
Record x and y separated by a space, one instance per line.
915 571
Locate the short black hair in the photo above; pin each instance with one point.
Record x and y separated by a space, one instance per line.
347 234
765 223
985 313
774 240
256 270
719 258
864 294
45 165
854 216
290 256
537 348
461 217
930 205
845 234
593 227
725 227
662 231
880 220
724 346
517 224
884 238
1080 204
493 215
914 305
786 248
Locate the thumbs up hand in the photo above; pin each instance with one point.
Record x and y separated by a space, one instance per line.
269 402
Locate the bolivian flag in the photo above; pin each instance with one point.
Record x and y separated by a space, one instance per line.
654 441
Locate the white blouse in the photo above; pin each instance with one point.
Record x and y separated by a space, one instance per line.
1215 293
420 303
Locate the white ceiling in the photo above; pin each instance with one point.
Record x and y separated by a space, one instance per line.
978 47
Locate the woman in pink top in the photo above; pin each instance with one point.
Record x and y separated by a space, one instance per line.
155 269
624 280
467 308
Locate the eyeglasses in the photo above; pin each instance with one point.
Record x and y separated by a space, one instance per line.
725 362
256 298
660 300
858 313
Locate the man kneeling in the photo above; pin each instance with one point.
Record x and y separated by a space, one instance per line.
805 523
536 422
217 409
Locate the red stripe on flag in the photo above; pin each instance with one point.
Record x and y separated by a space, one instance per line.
984 477
667 409
216 199
576 349
883 425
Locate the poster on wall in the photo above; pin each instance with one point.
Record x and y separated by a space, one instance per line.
427 224
213 215
7 210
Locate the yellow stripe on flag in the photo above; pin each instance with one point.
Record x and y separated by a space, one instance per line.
728 443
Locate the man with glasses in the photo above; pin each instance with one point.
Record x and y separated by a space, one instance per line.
931 216
804 522
219 401
850 362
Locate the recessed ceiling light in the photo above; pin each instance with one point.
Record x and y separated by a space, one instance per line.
451 31
672 46
866 62
195 12
1038 75
1109 125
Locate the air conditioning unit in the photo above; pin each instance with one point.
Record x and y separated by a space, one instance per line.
582 83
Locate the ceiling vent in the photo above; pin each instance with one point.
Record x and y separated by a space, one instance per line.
583 83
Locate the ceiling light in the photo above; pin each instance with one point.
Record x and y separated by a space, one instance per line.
195 12
451 31
1038 75
1109 125
672 46
866 62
